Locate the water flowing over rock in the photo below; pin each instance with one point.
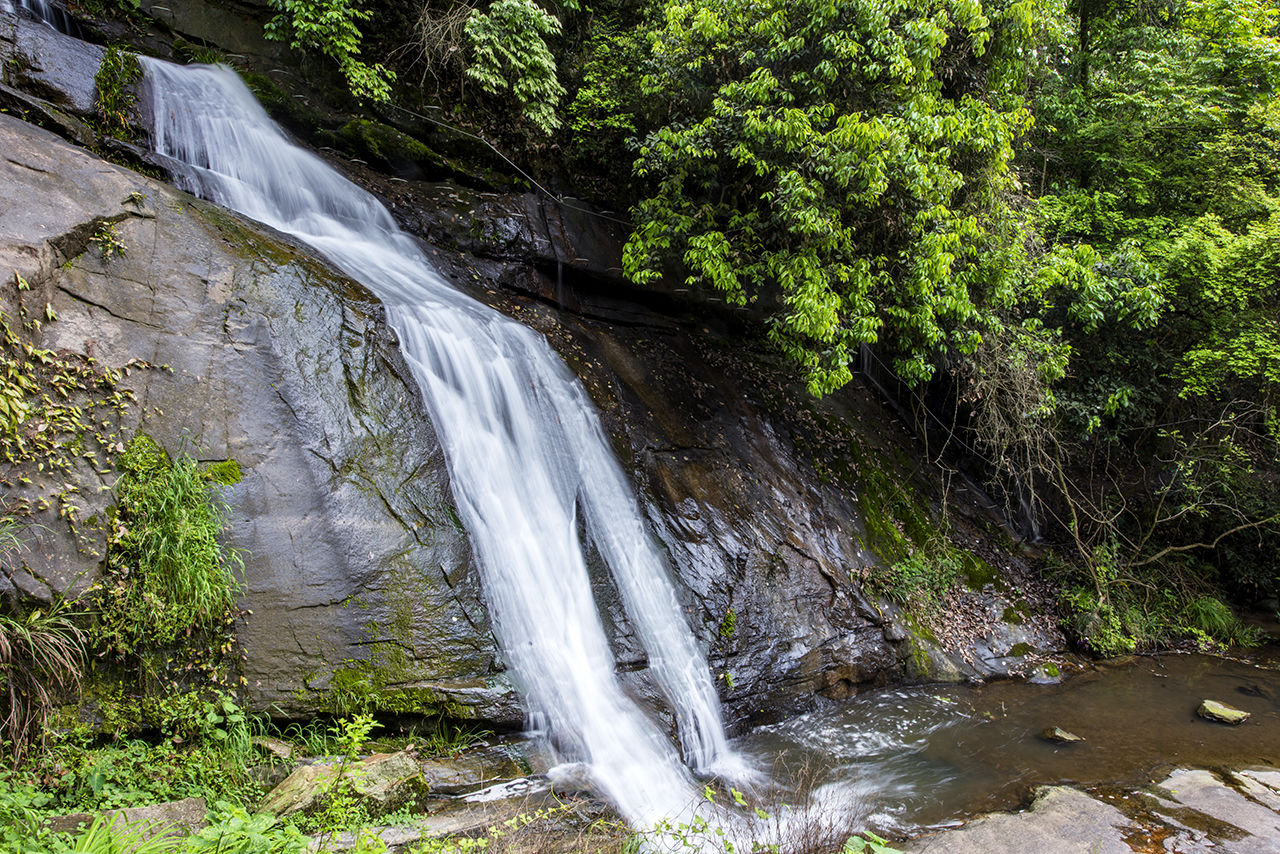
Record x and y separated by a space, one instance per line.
360 576
528 460
357 575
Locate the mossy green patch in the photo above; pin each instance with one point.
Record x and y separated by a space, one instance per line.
895 522
242 238
1012 616
1020 649
227 472
976 571
368 687
383 143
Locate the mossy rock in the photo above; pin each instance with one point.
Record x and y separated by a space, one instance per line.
383 783
386 147
1222 713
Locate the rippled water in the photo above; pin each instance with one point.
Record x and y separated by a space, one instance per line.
906 759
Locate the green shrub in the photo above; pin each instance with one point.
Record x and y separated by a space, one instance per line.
232 830
167 573
115 97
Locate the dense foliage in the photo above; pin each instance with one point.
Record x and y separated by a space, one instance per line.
840 159
332 27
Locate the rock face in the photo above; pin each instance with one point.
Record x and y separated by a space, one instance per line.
773 508
357 575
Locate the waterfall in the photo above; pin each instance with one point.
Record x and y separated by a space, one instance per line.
530 466
46 12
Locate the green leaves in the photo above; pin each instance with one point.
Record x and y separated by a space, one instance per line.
510 54
333 28
814 157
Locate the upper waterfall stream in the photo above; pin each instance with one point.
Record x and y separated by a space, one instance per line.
525 450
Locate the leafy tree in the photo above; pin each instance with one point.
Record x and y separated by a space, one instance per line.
333 28
1156 156
510 54
841 160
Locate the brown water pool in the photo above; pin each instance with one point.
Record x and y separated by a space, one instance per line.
906 759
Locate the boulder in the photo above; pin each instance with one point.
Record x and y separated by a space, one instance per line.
383 783
1213 710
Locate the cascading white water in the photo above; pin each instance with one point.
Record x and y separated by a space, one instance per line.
524 447
43 10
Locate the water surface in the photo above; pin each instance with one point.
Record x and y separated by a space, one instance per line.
910 758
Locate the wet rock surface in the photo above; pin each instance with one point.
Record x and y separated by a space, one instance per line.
357 575
1190 811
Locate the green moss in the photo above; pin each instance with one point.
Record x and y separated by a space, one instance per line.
368 687
242 239
1012 616
894 520
379 141
227 472
977 572
1051 670
1020 649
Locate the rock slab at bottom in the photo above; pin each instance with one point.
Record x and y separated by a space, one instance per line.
1190 812
1062 820
173 818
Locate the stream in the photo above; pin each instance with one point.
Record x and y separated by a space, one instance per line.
905 760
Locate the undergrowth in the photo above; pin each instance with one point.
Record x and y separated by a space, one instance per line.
168 577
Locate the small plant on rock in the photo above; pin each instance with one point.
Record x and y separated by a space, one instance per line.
41 654
107 239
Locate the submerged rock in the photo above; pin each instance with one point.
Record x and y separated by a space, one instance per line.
1060 735
1222 713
